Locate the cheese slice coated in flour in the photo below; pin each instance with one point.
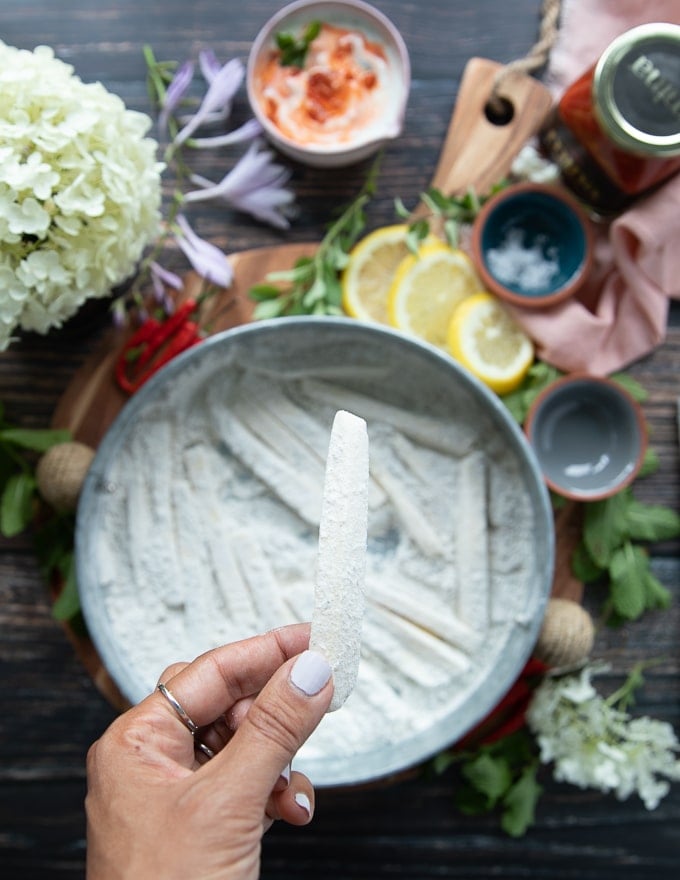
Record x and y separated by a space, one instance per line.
341 563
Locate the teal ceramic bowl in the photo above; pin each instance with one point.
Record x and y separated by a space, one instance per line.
532 245
588 435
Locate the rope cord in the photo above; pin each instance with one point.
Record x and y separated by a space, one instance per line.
538 55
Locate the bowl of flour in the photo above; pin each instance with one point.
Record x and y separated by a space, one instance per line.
198 525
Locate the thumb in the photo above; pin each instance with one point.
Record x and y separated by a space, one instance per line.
279 721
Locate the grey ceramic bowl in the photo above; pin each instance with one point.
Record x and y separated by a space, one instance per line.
589 436
370 360
365 19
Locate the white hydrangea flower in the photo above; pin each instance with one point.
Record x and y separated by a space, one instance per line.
80 191
594 745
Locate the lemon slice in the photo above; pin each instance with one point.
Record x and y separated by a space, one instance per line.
427 288
368 274
486 340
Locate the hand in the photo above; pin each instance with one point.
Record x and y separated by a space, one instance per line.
158 807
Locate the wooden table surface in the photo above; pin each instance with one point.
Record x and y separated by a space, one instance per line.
50 710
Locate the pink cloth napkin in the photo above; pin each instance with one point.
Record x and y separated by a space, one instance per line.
620 315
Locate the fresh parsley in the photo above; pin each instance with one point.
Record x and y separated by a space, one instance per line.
294 49
498 776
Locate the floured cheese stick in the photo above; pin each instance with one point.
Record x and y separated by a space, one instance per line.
341 563
472 546
451 438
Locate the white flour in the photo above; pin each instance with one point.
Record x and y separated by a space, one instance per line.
210 533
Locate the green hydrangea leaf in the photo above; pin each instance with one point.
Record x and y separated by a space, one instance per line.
68 602
583 566
651 522
650 463
491 776
37 440
628 573
605 527
16 504
632 386
520 803
656 595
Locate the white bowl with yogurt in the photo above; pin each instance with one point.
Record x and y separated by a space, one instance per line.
343 95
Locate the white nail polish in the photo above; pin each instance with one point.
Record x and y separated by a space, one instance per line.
303 801
285 774
310 672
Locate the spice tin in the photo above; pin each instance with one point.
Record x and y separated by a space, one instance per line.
615 133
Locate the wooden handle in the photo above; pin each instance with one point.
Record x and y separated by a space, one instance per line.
477 153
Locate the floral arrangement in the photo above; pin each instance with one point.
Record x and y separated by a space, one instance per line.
80 185
79 191
594 743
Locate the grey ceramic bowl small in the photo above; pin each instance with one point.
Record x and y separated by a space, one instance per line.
365 19
589 436
532 245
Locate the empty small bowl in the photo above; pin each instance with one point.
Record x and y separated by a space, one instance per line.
346 99
589 436
532 245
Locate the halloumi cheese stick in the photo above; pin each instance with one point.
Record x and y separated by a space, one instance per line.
341 563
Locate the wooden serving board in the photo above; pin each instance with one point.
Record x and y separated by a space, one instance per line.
476 153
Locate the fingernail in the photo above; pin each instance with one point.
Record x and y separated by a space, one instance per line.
303 801
310 672
285 774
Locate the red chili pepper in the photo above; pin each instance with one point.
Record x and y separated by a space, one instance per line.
153 345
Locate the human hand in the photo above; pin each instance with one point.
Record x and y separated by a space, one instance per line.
157 807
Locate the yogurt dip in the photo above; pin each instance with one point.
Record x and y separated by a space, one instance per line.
346 92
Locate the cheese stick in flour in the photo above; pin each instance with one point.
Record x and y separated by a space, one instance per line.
341 563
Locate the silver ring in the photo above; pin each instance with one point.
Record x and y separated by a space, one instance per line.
207 751
191 726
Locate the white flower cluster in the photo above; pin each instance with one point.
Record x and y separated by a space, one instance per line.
595 745
79 190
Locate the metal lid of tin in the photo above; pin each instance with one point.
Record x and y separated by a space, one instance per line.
636 90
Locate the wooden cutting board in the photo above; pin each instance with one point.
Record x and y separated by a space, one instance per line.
476 154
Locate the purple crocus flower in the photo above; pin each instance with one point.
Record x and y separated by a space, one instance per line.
176 91
161 278
217 99
209 65
246 132
254 185
207 260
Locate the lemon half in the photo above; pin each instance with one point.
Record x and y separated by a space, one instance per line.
486 340
428 287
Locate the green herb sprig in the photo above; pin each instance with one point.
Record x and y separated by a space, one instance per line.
448 212
312 286
18 485
19 506
294 49
615 529
498 776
